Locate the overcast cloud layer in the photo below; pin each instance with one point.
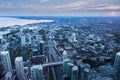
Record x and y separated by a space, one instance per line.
60 7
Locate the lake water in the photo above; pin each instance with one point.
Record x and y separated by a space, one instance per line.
8 21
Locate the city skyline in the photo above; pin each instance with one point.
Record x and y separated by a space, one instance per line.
60 8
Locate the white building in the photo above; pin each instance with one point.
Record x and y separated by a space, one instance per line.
37 72
29 38
6 62
20 68
73 38
117 61
23 39
65 54
8 76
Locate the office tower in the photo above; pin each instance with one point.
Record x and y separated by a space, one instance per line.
29 39
24 52
37 72
117 61
20 68
74 37
6 62
65 62
69 68
39 38
23 47
40 42
60 40
107 70
86 73
83 70
74 73
41 47
12 52
35 46
65 54
23 39
8 76
34 52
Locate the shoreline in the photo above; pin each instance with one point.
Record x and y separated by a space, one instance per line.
8 21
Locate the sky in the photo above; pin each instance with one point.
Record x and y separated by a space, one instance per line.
59 7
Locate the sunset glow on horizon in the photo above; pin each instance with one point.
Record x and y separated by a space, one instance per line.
113 13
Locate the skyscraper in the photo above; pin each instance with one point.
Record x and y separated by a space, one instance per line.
29 39
65 63
23 39
37 72
74 37
12 52
41 47
6 62
24 52
74 73
20 68
83 70
69 68
8 76
23 47
65 54
117 61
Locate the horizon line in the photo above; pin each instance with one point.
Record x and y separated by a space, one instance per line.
54 16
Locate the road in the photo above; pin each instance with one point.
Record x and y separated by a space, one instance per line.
55 58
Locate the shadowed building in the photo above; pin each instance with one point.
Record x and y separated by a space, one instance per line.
24 52
74 73
83 70
69 68
12 53
41 47
23 47
65 62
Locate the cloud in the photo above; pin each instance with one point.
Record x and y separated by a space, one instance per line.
87 5
72 5
43 1
22 6
79 5
6 5
62 6
109 7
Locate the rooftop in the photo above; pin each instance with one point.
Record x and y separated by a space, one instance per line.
4 52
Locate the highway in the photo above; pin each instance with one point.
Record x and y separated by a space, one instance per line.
55 58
